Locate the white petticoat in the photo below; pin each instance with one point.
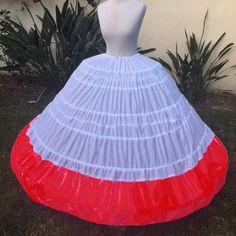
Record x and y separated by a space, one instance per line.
121 119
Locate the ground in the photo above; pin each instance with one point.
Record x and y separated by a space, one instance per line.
21 216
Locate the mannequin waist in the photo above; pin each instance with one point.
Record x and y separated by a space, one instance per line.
121 48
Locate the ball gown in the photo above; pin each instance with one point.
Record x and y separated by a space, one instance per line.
120 145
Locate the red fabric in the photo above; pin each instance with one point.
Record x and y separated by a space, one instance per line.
119 202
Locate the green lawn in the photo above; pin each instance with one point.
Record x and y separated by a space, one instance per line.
21 216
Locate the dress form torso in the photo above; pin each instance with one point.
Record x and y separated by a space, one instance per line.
120 22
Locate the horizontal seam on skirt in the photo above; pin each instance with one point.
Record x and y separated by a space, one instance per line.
133 78
125 125
120 138
118 72
123 88
181 97
190 156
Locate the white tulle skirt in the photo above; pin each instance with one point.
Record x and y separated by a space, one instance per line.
119 122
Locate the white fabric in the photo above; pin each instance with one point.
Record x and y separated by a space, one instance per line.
121 119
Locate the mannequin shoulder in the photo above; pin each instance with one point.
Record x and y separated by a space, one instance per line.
139 6
136 3
102 5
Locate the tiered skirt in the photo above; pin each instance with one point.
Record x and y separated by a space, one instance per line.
120 145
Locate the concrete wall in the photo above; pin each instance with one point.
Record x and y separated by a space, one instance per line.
164 25
165 21
16 8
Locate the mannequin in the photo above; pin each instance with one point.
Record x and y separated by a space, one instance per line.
120 22
120 144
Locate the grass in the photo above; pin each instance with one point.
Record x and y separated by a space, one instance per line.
21 216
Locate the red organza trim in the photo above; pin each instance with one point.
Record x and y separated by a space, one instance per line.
119 202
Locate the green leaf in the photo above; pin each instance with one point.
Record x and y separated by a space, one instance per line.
9 68
218 67
165 64
147 50
64 8
225 50
217 42
174 59
58 18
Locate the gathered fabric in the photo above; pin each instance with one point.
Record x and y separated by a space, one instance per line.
119 202
121 119
120 145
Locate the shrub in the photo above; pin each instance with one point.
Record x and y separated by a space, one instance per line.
52 52
198 68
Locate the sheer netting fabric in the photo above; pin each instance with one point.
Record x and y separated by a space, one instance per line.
120 145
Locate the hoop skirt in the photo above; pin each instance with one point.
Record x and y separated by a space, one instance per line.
120 145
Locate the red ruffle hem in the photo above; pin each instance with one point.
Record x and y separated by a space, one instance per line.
119 202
